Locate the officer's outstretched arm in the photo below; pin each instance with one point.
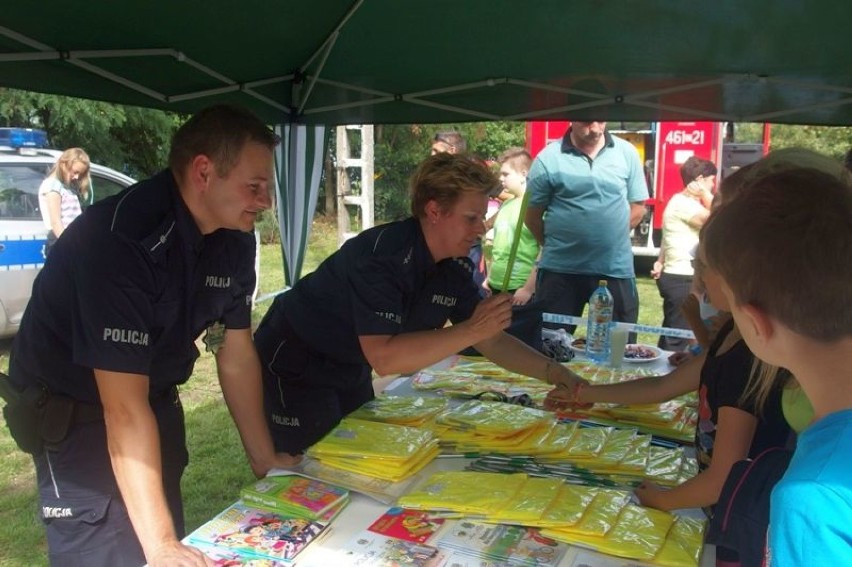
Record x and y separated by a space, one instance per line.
134 450
513 354
239 376
409 352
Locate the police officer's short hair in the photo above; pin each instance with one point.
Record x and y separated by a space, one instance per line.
445 177
453 139
219 132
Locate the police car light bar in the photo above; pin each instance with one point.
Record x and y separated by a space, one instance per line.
22 138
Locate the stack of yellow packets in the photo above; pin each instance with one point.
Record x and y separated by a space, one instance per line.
381 450
674 419
623 455
401 410
635 532
464 379
599 518
486 426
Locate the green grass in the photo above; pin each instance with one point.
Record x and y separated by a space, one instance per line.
218 467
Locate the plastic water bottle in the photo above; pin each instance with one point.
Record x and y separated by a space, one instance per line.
599 321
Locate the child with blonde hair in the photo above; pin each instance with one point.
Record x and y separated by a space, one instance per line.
63 190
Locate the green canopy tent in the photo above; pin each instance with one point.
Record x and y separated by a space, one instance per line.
298 161
327 62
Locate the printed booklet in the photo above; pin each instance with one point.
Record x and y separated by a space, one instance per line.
369 549
256 533
500 543
410 525
294 495
223 557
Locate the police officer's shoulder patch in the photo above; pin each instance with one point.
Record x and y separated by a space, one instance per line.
465 263
214 337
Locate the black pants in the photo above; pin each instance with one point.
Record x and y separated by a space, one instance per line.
305 393
674 289
82 509
568 294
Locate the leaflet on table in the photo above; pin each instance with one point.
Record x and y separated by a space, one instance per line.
383 491
369 549
518 546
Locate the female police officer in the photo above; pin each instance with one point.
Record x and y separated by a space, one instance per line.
382 302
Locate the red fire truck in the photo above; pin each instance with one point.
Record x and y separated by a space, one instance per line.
663 147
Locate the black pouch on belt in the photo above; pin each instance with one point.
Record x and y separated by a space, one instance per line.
23 414
57 416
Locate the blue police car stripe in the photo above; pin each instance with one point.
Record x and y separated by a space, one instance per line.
19 253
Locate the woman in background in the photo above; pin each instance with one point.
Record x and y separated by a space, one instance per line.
684 216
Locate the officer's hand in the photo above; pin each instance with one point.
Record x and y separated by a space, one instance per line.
286 460
176 554
278 461
492 315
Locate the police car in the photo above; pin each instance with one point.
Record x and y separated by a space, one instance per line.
24 163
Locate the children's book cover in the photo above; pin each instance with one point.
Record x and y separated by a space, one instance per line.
514 545
223 557
410 525
294 495
252 532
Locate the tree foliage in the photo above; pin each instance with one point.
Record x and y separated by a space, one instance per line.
136 140
126 138
400 147
831 141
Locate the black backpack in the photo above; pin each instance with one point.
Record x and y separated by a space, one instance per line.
741 517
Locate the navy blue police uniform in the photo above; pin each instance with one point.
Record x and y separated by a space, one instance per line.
128 288
382 282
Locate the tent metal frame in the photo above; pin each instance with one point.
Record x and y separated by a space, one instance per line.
302 92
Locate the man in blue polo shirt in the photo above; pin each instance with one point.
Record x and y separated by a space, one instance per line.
110 333
587 192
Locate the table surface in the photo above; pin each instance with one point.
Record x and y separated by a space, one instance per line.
363 511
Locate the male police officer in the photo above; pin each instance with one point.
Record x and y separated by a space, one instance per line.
109 333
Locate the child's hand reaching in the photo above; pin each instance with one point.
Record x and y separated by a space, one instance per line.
678 358
562 399
651 495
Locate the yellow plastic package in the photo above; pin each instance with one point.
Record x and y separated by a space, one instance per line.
529 504
464 491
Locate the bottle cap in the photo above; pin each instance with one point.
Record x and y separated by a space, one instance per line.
602 283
